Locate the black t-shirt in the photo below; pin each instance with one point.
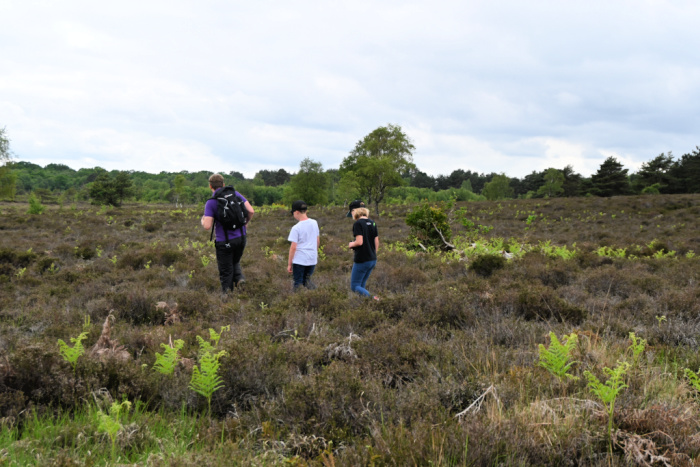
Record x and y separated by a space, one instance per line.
368 229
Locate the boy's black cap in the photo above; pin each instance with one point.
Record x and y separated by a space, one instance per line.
358 203
299 206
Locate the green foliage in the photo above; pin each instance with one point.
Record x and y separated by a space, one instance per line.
498 188
110 190
309 184
110 423
205 379
214 337
656 176
693 378
71 354
167 362
553 183
556 358
637 347
607 392
35 206
429 226
377 161
610 179
652 189
8 179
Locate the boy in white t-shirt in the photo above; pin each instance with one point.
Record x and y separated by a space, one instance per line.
303 253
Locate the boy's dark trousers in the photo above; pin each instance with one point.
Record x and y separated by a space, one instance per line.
228 258
302 276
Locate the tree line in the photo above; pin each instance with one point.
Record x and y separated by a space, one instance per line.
378 169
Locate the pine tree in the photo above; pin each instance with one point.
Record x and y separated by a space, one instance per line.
611 179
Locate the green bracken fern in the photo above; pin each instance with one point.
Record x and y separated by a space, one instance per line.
556 358
110 423
637 347
607 392
205 378
71 354
167 362
693 377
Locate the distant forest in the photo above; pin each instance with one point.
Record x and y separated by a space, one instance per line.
57 183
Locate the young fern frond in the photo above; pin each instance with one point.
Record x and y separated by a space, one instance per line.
555 359
214 337
167 362
110 423
607 392
204 346
205 379
637 347
71 354
693 377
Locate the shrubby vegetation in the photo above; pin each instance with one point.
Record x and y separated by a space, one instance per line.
446 369
379 169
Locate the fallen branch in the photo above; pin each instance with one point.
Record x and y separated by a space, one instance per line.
448 245
476 405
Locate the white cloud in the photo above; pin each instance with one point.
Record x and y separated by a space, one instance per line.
495 87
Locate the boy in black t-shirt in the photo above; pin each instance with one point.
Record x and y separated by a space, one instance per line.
365 246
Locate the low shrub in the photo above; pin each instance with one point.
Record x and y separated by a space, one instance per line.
135 306
486 265
152 226
542 303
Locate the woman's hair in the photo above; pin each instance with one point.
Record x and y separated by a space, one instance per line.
216 181
359 212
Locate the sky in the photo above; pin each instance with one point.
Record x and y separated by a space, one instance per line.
506 86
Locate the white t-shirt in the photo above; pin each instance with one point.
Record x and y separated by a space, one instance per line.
305 234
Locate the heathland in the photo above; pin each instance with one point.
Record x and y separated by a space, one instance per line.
513 348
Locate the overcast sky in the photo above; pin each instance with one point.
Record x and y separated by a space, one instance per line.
490 86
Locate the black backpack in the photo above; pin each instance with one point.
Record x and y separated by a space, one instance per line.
230 210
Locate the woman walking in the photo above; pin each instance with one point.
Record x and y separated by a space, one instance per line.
365 246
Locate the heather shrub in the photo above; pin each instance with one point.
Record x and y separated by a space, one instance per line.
398 279
135 306
328 403
85 251
383 381
395 351
17 258
486 265
257 371
46 263
539 302
151 226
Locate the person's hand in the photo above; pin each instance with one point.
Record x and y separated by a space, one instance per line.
350 245
289 268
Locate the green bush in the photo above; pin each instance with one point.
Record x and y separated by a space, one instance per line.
35 206
429 226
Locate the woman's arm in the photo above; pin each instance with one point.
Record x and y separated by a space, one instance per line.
359 240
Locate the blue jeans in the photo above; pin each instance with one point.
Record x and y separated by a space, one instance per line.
360 274
302 276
